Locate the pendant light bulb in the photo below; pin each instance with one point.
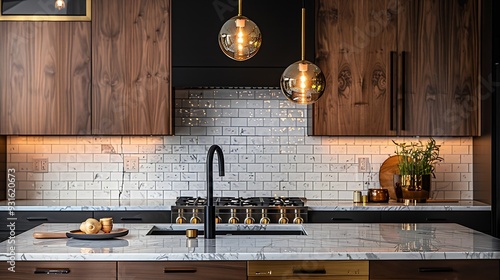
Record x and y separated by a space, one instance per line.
239 37
303 82
60 4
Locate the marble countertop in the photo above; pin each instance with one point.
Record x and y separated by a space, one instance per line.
322 242
162 205
336 205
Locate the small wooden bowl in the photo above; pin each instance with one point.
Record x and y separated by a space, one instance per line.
378 195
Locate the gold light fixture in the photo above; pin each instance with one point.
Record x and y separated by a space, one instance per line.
239 37
303 82
60 4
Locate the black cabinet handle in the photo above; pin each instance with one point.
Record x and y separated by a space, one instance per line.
436 219
37 219
180 270
52 271
392 87
309 271
404 90
341 219
435 269
131 219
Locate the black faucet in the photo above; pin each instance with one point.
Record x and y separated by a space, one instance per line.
209 225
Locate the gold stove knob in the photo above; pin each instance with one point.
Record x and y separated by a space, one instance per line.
180 218
298 220
233 219
218 220
283 219
265 220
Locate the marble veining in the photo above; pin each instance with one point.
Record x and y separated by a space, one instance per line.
322 242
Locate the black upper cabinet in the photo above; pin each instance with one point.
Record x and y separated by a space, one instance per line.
197 60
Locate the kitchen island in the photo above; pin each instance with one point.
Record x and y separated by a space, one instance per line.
322 242
349 244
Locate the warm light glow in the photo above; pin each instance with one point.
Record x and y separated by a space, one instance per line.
303 82
240 38
60 4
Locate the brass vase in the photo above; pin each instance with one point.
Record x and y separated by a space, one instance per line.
415 188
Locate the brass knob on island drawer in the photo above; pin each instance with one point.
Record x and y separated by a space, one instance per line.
191 233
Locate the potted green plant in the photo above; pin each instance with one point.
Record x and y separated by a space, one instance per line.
416 165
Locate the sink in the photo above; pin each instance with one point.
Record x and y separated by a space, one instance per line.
230 229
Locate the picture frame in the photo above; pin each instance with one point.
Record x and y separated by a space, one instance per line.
44 10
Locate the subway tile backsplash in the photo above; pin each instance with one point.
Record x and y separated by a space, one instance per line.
266 148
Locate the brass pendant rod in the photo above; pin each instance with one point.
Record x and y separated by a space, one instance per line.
303 55
239 7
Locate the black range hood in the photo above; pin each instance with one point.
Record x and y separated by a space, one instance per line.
197 60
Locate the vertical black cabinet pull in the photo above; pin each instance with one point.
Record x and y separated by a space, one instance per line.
52 271
392 85
403 90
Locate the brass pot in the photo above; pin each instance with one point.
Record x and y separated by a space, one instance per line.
378 195
412 187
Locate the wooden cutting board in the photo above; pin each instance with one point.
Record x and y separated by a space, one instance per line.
49 235
386 175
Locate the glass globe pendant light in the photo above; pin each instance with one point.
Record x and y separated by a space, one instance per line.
303 82
239 37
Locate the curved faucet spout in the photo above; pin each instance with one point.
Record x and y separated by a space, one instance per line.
209 225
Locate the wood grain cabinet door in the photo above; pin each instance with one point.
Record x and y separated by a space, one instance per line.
131 67
45 78
353 49
206 270
49 270
439 54
405 67
435 269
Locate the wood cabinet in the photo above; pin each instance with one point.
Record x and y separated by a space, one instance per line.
406 67
435 269
45 78
131 65
439 45
354 43
86 270
352 270
209 270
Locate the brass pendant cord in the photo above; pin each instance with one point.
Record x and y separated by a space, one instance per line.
239 7
303 38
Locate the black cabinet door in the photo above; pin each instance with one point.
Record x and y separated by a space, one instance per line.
4 235
344 216
478 220
25 220
135 216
